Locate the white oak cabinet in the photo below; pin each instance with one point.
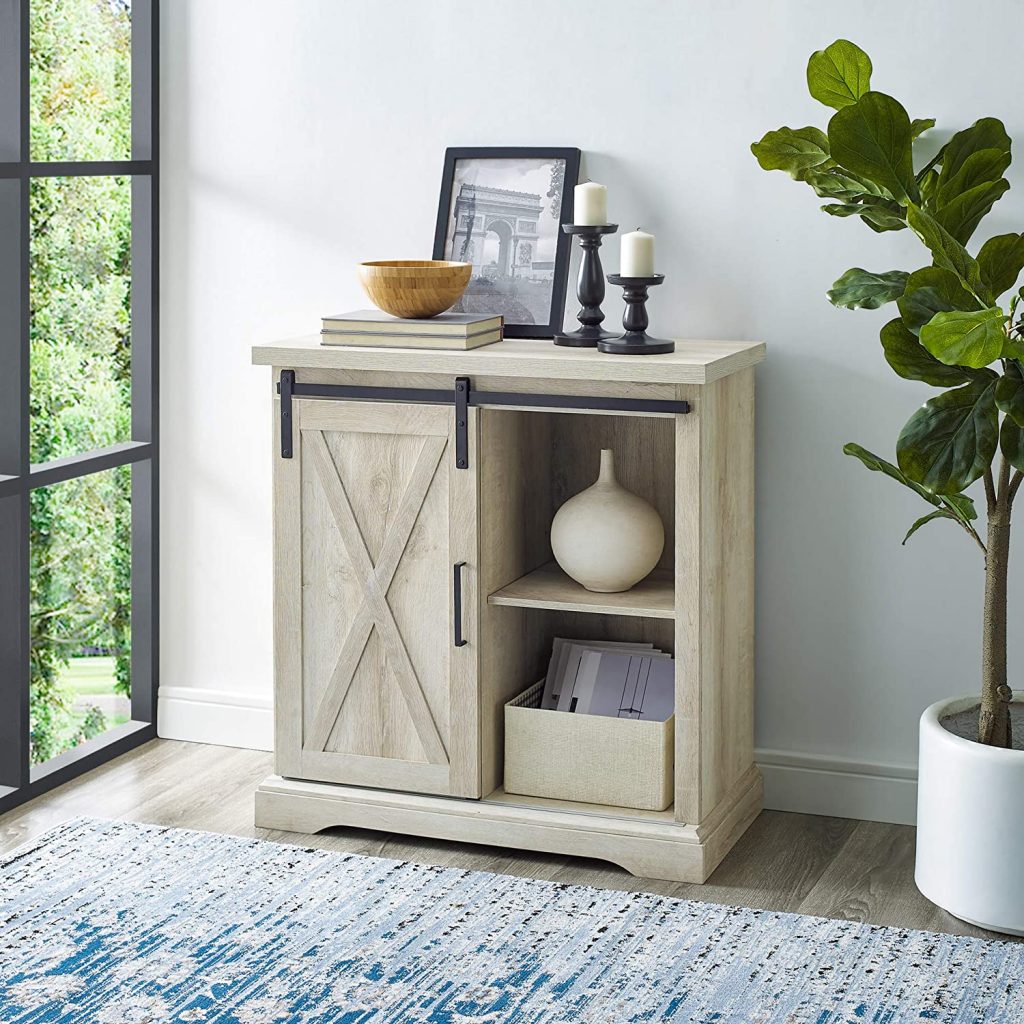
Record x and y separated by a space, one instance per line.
415 592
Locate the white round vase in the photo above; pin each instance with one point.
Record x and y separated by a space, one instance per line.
607 538
970 823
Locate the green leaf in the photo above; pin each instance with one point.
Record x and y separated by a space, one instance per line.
957 507
1010 394
920 125
947 252
839 75
972 339
872 138
961 506
796 151
928 183
951 440
881 216
861 289
843 209
1001 260
963 214
878 214
1011 443
986 133
939 513
1014 348
932 290
879 465
909 358
836 183
984 165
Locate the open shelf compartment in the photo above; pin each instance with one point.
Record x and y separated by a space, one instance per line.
532 461
549 587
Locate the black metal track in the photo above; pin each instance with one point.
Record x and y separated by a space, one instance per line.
439 396
596 402
462 395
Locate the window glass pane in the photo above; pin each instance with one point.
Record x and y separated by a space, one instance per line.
80 90
80 266
80 591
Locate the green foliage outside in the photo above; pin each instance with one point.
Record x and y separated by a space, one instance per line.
953 332
80 358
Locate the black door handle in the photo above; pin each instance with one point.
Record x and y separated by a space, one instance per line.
460 640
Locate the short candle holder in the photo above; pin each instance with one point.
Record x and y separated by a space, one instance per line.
636 341
589 287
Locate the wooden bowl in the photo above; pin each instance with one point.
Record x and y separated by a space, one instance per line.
414 289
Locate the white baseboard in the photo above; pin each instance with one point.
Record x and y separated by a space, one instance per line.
221 717
806 783
813 784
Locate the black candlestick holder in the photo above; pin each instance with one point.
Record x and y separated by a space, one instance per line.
589 287
636 341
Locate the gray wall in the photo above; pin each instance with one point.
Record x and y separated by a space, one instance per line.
300 138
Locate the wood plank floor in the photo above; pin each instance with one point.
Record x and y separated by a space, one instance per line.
832 867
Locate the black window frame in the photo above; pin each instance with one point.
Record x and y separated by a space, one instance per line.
19 780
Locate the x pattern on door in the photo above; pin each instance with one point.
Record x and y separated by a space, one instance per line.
374 611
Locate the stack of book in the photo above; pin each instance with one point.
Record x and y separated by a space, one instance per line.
617 680
372 327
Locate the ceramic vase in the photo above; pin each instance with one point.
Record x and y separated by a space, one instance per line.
607 538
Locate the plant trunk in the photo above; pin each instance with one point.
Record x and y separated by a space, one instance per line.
994 718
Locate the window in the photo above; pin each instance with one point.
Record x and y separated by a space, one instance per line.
78 386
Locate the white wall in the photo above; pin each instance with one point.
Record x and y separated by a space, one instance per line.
299 138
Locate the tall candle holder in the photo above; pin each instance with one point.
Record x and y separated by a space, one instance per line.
589 287
636 341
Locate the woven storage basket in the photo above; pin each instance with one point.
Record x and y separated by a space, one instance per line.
621 762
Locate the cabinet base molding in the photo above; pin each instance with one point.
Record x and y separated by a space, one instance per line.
646 844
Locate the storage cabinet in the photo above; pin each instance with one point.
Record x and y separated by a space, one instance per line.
416 594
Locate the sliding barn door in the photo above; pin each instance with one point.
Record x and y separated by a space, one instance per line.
375 674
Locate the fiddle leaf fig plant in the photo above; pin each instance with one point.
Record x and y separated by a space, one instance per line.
955 329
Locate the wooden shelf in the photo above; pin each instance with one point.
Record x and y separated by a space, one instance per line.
540 803
549 587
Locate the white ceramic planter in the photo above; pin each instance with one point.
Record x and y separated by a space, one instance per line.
970 824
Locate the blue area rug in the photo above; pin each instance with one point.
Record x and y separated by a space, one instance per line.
111 923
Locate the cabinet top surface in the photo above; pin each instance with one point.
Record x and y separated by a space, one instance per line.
693 362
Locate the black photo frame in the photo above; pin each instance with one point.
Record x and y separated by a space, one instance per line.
524 227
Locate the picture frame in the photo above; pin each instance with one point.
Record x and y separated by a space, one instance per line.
502 209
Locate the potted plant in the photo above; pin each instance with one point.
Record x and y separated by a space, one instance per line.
954 333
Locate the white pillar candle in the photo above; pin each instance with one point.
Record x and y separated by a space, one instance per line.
636 256
590 204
